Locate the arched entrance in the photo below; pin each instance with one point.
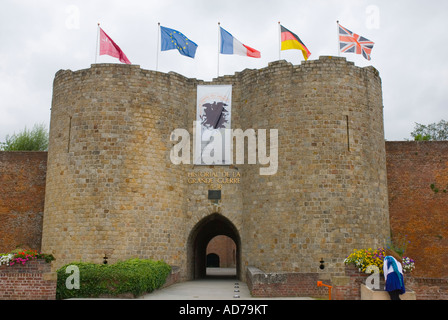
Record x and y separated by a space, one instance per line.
205 230
225 250
212 260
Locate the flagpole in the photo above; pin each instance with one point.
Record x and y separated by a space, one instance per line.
219 45
339 47
279 40
158 40
97 37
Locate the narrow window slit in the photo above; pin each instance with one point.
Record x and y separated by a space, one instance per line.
348 133
69 133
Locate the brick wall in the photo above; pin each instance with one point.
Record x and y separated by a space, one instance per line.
415 209
346 287
428 288
173 277
285 284
424 288
350 289
32 281
225 248
22 197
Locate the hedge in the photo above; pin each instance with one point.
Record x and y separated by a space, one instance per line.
135 276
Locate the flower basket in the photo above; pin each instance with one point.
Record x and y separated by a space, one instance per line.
364 258
21 257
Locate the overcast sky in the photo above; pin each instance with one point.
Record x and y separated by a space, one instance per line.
38 38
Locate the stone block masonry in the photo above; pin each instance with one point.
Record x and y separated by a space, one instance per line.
329 194
112 189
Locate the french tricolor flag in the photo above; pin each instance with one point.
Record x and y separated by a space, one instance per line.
230 45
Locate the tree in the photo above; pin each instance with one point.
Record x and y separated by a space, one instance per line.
34 140
433 131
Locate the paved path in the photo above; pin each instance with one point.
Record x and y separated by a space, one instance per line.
220 284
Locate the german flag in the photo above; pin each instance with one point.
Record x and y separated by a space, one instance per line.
291 41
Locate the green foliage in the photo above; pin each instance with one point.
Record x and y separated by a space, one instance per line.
27 140
436 189
433 131
420 137
136 276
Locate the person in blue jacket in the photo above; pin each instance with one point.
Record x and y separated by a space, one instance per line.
393 274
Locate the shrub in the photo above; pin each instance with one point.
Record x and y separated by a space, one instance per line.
35 139
135 276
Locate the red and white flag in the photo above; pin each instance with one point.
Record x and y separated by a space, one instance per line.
110 48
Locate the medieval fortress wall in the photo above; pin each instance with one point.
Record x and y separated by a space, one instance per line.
112 188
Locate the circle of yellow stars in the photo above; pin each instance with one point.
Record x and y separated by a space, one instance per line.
175 43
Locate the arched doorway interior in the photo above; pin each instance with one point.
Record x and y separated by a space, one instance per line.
225 249
200 236
212 260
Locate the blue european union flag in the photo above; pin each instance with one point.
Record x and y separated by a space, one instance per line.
173 39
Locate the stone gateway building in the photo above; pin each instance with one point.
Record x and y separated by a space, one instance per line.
111 186
113 190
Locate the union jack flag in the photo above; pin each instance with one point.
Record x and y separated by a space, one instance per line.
350 42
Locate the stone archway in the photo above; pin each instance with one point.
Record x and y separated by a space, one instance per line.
213 260
206 229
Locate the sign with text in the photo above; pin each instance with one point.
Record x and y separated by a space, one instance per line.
214 180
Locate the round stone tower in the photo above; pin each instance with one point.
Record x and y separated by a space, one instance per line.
329 194
112 189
